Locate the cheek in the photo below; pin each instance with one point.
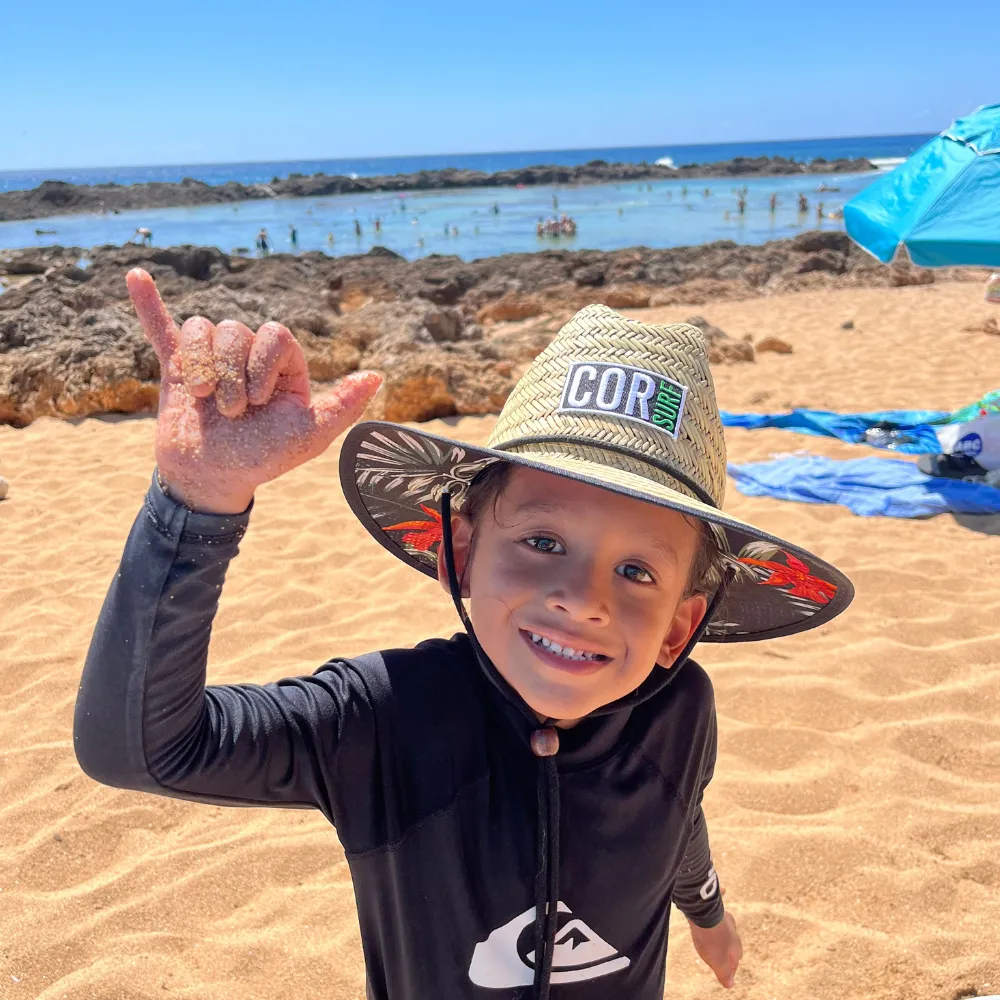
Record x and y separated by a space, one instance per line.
642 623
503 573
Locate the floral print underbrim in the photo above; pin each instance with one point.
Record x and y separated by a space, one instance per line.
394 478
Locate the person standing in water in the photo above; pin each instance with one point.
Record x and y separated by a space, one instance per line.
803 203
263 243
293 236
774 203
357 229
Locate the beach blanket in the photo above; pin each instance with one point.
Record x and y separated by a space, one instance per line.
912 432
871 487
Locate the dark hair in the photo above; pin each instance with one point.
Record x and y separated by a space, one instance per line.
709 561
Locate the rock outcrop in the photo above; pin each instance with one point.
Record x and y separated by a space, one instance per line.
450 336
61 198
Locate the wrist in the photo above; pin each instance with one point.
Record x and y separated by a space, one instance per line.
201 505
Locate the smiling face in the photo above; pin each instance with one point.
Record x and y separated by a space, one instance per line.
576 593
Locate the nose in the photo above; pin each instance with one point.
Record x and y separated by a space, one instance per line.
582 600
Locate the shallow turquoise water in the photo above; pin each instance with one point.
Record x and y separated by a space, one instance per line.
608 217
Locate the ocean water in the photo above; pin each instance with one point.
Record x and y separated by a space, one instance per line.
461 222
256 173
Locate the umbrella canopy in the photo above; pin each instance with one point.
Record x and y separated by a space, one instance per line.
943 203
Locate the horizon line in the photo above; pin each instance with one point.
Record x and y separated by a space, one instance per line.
392 156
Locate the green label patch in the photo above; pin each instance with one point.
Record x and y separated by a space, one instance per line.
626 392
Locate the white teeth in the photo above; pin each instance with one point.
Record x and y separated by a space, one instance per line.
565 651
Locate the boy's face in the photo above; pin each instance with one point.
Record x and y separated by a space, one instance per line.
576 593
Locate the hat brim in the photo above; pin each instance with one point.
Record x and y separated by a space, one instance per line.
393 478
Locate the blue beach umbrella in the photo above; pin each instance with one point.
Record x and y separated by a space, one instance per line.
943 203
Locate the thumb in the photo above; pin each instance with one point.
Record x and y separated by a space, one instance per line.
340 407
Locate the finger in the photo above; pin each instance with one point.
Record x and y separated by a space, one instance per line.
197 352
337 410
232 342
276 356
159 328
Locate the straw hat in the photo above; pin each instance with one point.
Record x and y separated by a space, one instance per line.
621 404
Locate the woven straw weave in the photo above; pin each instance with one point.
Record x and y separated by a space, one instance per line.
599 334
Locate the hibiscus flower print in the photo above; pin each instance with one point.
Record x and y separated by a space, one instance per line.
421 535
796 576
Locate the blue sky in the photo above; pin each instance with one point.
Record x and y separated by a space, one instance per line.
110 83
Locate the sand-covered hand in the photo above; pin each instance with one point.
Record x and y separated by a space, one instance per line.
235 407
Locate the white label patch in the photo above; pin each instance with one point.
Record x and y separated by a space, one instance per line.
626 392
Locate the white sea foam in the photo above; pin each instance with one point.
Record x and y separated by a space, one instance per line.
886 162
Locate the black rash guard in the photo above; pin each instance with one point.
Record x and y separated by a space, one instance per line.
424 768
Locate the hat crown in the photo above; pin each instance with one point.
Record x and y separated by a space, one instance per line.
640 393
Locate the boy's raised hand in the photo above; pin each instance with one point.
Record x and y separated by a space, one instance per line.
719 947
234 407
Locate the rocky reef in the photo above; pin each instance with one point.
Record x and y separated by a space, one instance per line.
60 198
450 336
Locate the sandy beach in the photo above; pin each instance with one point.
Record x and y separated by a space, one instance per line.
855 812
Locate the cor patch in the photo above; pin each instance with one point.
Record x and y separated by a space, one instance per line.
624 391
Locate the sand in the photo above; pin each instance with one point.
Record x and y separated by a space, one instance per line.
855 813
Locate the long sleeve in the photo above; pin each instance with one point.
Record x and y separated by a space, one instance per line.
696 890
144 718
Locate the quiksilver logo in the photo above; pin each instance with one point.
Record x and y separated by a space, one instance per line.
626 392
507 957
710 885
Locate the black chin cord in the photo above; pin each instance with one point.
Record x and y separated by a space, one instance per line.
544 745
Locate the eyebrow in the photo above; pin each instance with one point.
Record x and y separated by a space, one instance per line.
532 507
662 544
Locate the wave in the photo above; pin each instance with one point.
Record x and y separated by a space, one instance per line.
886 162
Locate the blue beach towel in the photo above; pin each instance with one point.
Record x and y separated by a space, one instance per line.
914 435
870 487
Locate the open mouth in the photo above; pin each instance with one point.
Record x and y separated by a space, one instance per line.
564 652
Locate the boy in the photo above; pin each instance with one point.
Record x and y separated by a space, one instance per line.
520 804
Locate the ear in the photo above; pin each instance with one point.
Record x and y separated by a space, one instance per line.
686 620
461 539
